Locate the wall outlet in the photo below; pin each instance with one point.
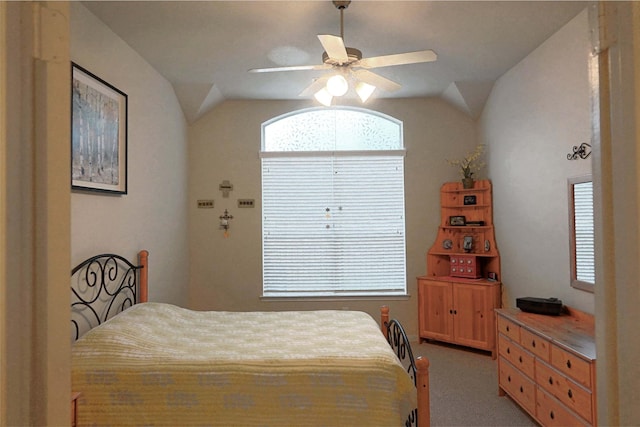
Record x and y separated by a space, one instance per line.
246 203
205 204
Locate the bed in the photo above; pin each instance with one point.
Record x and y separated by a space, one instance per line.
145 363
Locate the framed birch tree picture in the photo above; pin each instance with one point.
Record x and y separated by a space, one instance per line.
98 134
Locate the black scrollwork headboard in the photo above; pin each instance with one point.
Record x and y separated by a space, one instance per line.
101 287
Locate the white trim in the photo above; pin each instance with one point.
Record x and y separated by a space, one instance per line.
268 154
403 297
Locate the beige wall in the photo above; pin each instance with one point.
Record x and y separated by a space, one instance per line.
536 113
226 273
153 215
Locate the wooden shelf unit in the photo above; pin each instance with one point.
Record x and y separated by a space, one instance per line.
455 309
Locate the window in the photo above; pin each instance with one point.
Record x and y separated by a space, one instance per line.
581 232
333 204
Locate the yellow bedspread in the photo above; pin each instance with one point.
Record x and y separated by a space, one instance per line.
157 364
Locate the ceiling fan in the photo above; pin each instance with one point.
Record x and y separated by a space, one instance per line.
347 64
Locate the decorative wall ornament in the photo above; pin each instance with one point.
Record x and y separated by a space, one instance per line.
580 151
225 186
224 222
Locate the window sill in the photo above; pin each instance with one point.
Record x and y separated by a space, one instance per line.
404 297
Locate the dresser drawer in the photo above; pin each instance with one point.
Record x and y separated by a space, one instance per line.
571 365
519 387
574 396
551 412
509 329
515 354
535 344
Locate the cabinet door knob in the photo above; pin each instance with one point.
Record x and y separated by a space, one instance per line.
552 415
520 359
533 343
509 378
551 380
569 364
570 394
507 328
508 350
521 389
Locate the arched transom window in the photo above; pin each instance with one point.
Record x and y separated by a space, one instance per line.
333 204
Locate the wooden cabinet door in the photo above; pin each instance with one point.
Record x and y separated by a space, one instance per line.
473 315
435 315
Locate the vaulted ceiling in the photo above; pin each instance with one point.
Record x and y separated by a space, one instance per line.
205 48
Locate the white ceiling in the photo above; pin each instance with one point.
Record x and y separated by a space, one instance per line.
205 48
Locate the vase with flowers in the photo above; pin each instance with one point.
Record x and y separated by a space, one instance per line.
471 163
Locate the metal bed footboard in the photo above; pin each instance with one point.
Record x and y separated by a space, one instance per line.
418 369
399 342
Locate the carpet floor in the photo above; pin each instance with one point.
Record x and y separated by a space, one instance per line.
464 388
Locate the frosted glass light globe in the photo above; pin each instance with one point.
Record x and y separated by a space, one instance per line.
337 85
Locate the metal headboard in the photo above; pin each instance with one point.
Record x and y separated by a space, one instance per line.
399 342
101 286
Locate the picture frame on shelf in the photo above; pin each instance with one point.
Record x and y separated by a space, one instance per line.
492 276
457 220
467 243
469 199
98 134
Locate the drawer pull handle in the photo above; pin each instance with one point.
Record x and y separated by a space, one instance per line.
551 380
552 415
509 378
570 394
450 311
521 389
507 328
569 364
508 350
533 343
520 359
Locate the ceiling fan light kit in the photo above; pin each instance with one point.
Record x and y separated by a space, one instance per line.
323 97
349 68
337 85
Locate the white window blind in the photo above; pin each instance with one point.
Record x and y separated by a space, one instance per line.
584 232
333 225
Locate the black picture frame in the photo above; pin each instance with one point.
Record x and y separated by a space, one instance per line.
457 220
469 199
98 134
467 243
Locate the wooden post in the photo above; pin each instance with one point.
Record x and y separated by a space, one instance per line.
384 320
143 257
422 386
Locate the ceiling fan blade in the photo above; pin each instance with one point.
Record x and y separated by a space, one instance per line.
334 46
315 86
376 80
398 59
291 68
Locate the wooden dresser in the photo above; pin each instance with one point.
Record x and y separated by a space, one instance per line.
547 364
